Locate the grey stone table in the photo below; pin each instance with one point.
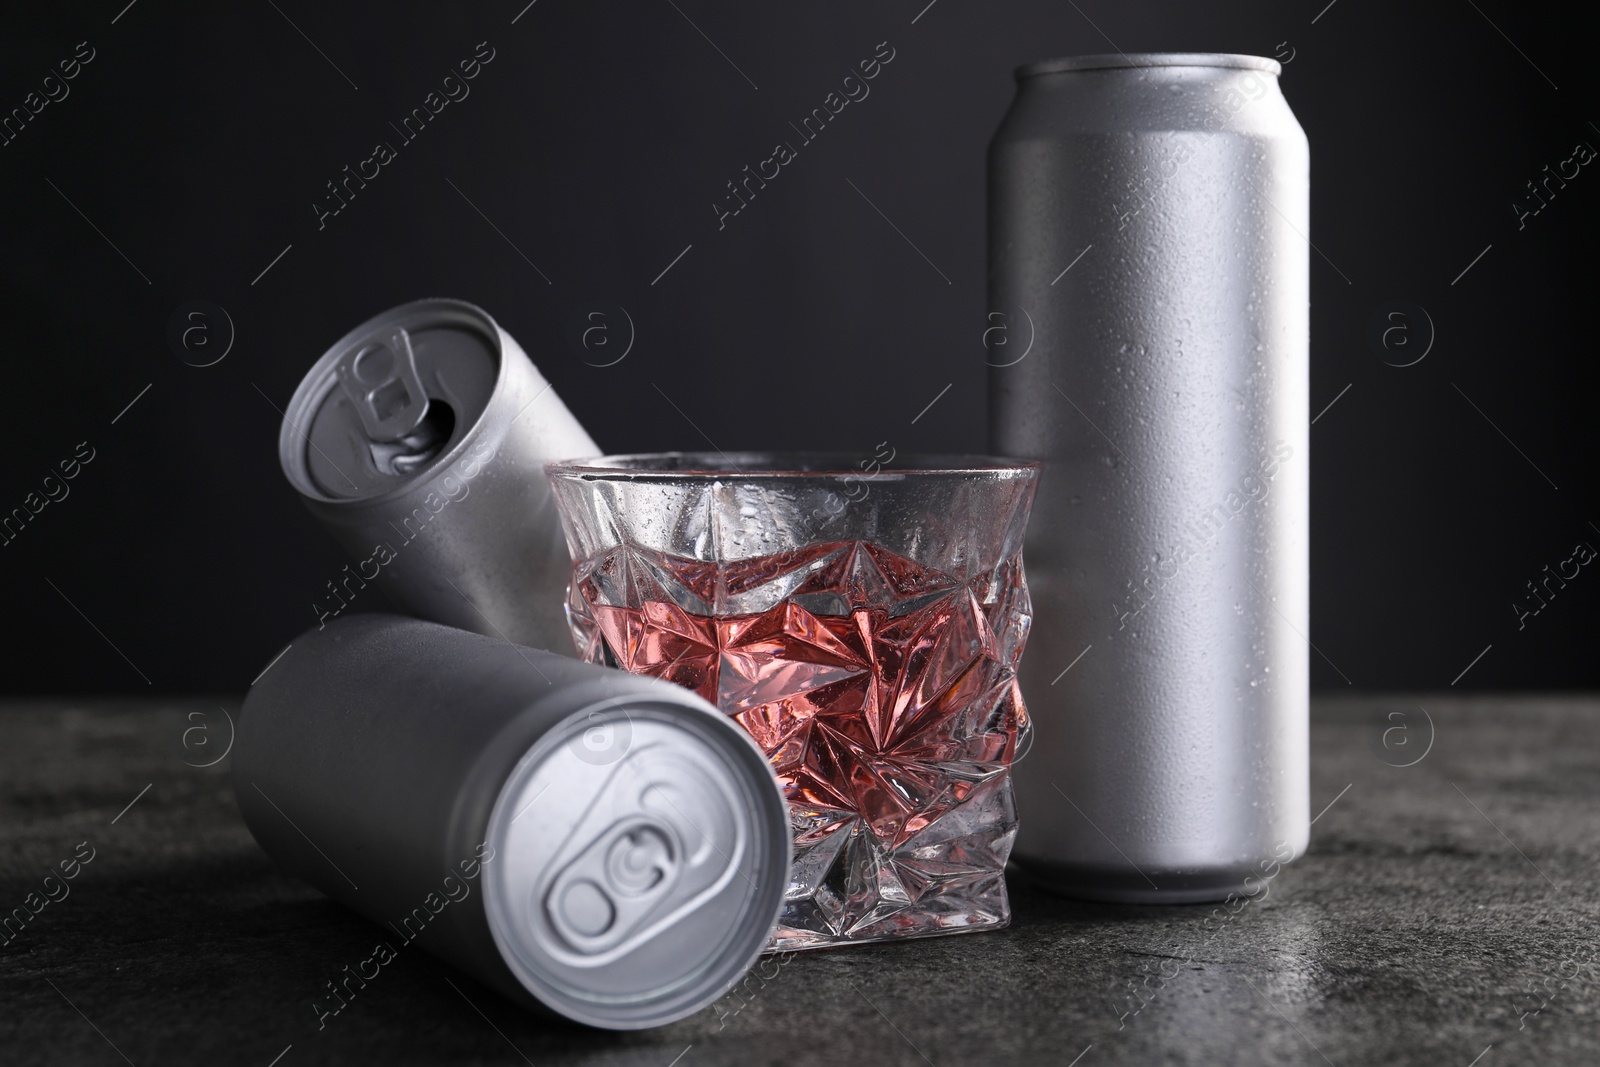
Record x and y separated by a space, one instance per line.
1446 913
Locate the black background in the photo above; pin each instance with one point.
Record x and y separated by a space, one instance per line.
598 138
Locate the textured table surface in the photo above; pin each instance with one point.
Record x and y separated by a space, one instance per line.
1446 913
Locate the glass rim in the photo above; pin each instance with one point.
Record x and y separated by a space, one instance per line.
758 465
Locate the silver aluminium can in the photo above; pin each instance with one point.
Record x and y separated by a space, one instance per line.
1149 263
599 845
419 441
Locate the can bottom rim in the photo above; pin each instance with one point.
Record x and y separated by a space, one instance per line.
1122 886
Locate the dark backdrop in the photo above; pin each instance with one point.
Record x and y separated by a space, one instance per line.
186 155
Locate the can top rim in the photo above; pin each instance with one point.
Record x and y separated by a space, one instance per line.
320 381
759 804
1123 60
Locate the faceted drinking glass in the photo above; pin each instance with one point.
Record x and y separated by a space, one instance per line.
863 620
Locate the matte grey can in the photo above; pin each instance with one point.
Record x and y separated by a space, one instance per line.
603 846
1149 276
419 440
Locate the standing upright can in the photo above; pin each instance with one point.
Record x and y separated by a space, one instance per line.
1149 272
419 440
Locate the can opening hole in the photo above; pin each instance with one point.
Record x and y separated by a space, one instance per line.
417 448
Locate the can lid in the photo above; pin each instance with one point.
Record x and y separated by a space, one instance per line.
392 400
641 856
1122 60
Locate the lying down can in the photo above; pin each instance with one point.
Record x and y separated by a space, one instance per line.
1148 216
597 844
419 441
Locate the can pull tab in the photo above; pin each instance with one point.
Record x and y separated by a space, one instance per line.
380 379
614 885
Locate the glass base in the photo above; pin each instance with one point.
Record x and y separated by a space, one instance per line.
848 886
788 939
